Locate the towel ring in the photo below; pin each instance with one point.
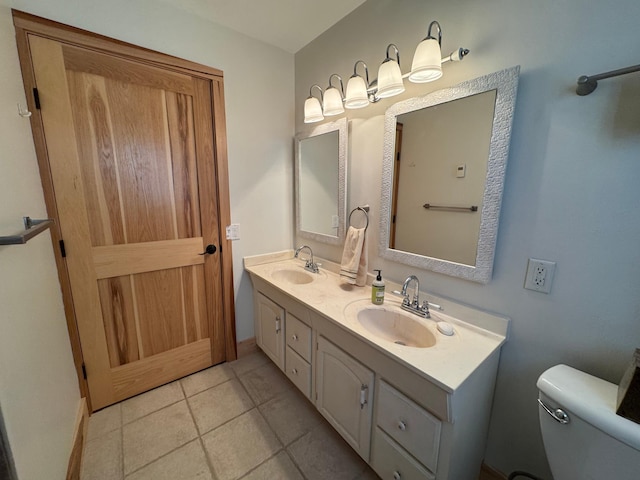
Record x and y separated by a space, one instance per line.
364 209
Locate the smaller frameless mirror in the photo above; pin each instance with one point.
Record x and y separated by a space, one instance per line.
321 182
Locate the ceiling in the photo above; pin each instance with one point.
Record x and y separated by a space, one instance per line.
287 24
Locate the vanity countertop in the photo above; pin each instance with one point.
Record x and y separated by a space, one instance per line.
448 363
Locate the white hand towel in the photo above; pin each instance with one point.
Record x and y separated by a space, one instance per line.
354 263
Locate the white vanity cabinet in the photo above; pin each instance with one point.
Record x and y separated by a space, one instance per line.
344 394
406 438
270 328
298 355
404 420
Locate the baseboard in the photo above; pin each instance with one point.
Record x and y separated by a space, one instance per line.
79 435
488 473
247 347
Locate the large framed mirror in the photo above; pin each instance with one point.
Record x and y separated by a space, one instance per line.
445 157
321 182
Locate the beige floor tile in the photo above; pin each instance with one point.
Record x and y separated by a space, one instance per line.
151 401
186 463
322 454
105 421
279 467
218 405
240 445
290 415
249 362
157 434
208 378
265 382
102 458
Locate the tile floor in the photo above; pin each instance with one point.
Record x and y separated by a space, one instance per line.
239 420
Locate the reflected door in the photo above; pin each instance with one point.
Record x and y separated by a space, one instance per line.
131 153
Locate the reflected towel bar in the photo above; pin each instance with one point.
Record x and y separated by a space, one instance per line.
472 208
31 229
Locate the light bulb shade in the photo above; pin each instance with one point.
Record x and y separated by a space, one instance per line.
357 96
332 102
312 110
389 79
427 62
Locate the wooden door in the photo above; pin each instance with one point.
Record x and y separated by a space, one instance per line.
131 156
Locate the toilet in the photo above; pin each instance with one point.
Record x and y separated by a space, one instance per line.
583 437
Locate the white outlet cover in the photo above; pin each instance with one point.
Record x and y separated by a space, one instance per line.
539 275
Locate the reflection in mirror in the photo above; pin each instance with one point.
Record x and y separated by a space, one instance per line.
445 156
443 166
321 182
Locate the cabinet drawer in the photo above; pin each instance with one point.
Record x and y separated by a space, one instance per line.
409 424
299 372
299 337
391 462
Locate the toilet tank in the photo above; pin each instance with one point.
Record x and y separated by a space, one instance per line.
595 443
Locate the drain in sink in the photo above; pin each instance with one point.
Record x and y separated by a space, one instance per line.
400 343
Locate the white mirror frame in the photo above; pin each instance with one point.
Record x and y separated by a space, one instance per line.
505 83
341 127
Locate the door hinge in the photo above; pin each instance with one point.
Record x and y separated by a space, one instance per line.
84 371
394 219
63 251
36 98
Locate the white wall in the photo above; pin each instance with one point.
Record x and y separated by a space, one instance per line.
571 192
38 387
39 391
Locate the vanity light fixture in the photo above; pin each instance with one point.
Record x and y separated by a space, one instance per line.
313 107
357 94
333 98
389 76
427 61
426 67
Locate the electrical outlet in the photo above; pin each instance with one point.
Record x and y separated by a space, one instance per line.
539 275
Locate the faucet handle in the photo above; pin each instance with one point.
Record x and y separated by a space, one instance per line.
405 297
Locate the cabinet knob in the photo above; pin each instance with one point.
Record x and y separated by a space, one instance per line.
294 371
396 475
402 425
295 337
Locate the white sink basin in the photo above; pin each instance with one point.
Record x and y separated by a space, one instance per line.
396 326
293 276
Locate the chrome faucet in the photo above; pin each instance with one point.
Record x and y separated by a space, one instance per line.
309 264
413 305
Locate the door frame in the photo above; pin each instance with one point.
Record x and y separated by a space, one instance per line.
26 24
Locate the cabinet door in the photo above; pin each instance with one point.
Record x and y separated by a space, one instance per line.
270 329
344 390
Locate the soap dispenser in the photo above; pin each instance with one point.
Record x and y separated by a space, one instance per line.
377 289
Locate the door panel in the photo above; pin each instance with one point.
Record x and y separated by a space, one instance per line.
132 163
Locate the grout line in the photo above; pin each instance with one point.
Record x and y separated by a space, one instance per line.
121 444
201 441
154 411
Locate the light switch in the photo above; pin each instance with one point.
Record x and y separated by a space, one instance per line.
233 231
461 170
